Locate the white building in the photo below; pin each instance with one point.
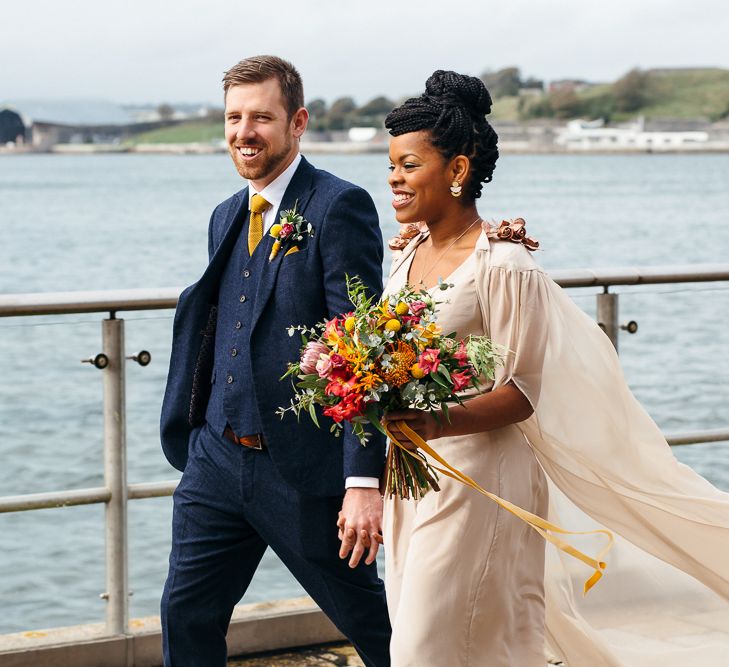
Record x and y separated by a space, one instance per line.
582 135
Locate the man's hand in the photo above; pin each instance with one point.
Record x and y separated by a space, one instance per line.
360 525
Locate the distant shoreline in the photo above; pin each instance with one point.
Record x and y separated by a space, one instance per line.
353 148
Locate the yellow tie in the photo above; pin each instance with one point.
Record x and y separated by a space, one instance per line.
255 226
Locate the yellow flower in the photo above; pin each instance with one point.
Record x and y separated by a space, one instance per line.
417 372
385 314
402 308
393 325
349 324
275 230
427 334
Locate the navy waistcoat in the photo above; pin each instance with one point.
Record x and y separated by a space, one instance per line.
233 396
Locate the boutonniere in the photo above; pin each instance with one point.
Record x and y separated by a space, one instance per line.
291 229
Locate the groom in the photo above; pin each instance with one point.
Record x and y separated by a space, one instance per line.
252 480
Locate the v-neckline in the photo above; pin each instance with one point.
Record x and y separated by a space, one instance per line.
408 263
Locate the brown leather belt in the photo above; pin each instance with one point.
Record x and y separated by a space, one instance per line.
254 441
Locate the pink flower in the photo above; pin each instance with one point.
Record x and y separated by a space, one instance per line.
310 356
410 319
337 360
461 379
460 355
417 307
324 366
429 360
286 230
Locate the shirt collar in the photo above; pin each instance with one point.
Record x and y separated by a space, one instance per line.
273 193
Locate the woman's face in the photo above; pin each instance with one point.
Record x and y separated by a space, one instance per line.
420 178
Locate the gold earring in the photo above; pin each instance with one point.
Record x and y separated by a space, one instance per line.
456 189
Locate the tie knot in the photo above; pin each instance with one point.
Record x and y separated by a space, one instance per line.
258 204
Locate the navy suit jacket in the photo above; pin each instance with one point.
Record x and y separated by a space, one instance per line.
301 288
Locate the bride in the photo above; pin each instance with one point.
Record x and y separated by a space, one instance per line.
558 434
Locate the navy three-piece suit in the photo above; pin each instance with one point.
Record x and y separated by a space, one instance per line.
230 347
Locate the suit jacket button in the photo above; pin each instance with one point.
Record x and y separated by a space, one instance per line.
230 379
233 352
238 325
246 273
242 298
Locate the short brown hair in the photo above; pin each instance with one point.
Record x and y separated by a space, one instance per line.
258 69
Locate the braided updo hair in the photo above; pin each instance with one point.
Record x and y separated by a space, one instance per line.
454 109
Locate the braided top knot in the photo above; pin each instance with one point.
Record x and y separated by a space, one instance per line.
453 108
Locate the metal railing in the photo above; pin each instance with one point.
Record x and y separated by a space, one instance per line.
116 492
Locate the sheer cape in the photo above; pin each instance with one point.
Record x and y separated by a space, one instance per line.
608 466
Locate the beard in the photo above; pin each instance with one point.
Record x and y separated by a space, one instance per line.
264 164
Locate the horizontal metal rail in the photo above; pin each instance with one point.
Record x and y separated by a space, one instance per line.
51 500
59 303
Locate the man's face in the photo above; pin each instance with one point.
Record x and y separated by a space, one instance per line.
261 138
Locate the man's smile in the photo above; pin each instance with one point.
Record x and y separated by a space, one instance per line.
248 152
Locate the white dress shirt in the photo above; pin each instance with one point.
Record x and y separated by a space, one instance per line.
273 193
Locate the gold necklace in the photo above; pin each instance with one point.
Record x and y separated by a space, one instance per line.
450 245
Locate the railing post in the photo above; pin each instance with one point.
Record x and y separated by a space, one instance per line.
607 315
115 477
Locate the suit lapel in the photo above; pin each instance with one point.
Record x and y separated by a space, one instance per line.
298 193
232 228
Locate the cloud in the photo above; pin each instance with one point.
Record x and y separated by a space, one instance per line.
138 51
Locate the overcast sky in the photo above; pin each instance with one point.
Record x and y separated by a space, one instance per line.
151 51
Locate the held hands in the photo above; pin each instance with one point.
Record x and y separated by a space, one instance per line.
421 421
360 525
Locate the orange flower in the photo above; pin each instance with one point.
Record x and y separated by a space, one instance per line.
402 357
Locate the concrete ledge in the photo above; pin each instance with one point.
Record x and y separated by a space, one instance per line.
254 628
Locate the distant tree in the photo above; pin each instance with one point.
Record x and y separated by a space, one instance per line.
505 82
317 108
565 104
533 83
317 115
631 91
213 114
379 106
165 111
374 112
340 114
11 126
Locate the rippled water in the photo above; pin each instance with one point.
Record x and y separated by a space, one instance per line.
123 221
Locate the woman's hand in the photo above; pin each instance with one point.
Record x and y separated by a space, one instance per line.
420 421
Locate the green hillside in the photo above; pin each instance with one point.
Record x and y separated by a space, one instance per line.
665 93
196 131
690 93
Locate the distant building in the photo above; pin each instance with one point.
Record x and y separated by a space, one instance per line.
569 85
582 135
12 128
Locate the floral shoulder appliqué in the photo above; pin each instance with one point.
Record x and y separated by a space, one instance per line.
407 233
511 230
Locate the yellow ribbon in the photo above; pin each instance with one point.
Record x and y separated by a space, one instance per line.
543 527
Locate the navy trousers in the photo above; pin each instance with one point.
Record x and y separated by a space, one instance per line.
230 505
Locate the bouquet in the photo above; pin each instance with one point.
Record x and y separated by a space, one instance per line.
387 356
